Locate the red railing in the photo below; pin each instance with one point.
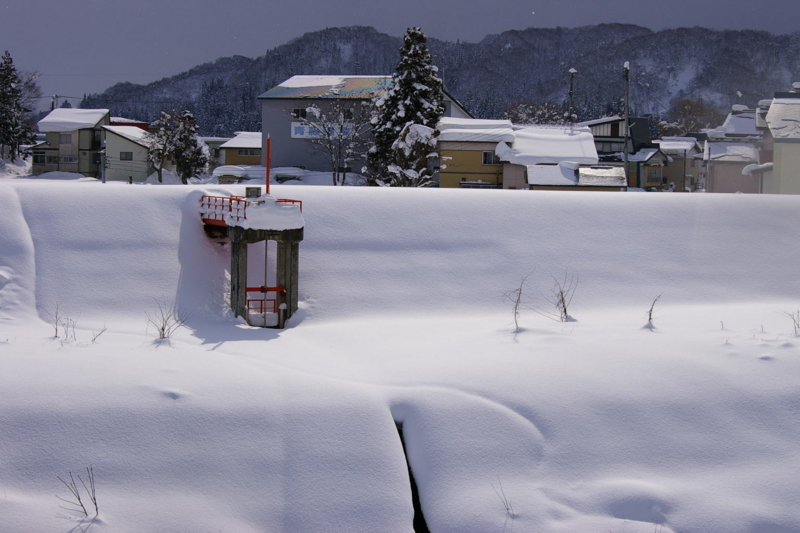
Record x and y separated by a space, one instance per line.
287 201
264 305
213 209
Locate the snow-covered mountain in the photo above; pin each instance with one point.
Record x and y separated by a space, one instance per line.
529 65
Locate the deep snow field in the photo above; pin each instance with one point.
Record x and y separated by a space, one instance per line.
598 425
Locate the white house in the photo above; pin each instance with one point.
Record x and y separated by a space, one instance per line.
126 154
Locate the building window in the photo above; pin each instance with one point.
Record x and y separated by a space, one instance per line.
126 156
97 158
249 151
299 113
39 158
69 159
52 159
65 138
490 158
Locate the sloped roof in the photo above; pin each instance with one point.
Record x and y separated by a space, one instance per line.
783 118
737 123
475 130
732 152
132 133
357 87
535 145
244 139
71 119
646 154
552 175
598 121
677 145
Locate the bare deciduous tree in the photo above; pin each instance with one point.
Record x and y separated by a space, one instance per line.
341 133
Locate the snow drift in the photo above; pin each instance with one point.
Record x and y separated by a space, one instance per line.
589 426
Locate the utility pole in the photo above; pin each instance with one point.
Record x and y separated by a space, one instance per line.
626 74
572 73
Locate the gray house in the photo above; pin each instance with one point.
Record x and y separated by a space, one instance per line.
283 109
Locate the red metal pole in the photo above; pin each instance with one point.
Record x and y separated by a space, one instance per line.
269 159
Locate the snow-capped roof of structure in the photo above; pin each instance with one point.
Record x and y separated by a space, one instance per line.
677 145
732 152
132 133
739 123
71 119
570 174
646 154
123 120
602 176
358 87
783 118
597 121
475 130
552 175
244 139
534 145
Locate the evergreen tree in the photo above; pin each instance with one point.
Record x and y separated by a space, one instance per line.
191 154
414 97
14 129
176 138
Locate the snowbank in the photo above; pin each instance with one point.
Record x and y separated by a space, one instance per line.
595 425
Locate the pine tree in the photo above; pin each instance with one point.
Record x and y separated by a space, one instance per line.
191 154
176 138
14 129
415 97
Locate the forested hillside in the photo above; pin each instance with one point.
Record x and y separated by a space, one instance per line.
718 67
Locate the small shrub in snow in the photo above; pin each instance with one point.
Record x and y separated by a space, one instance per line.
795 318
75 501
516 297
166 319
503 498
560 297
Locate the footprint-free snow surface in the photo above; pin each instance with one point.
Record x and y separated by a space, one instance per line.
592 425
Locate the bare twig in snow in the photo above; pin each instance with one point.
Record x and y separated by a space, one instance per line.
795 318
77 504
503 498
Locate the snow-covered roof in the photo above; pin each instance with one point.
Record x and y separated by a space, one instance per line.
739 123
132 133
645 155
677 145
123 120
244 139
732 151
71 119
553 175
602 176
358 87
534 145
604 120
475 130
570 174
783 118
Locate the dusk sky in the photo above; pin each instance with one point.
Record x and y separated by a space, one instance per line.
84 46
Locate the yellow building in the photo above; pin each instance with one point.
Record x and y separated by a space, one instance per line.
467 152
244 149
